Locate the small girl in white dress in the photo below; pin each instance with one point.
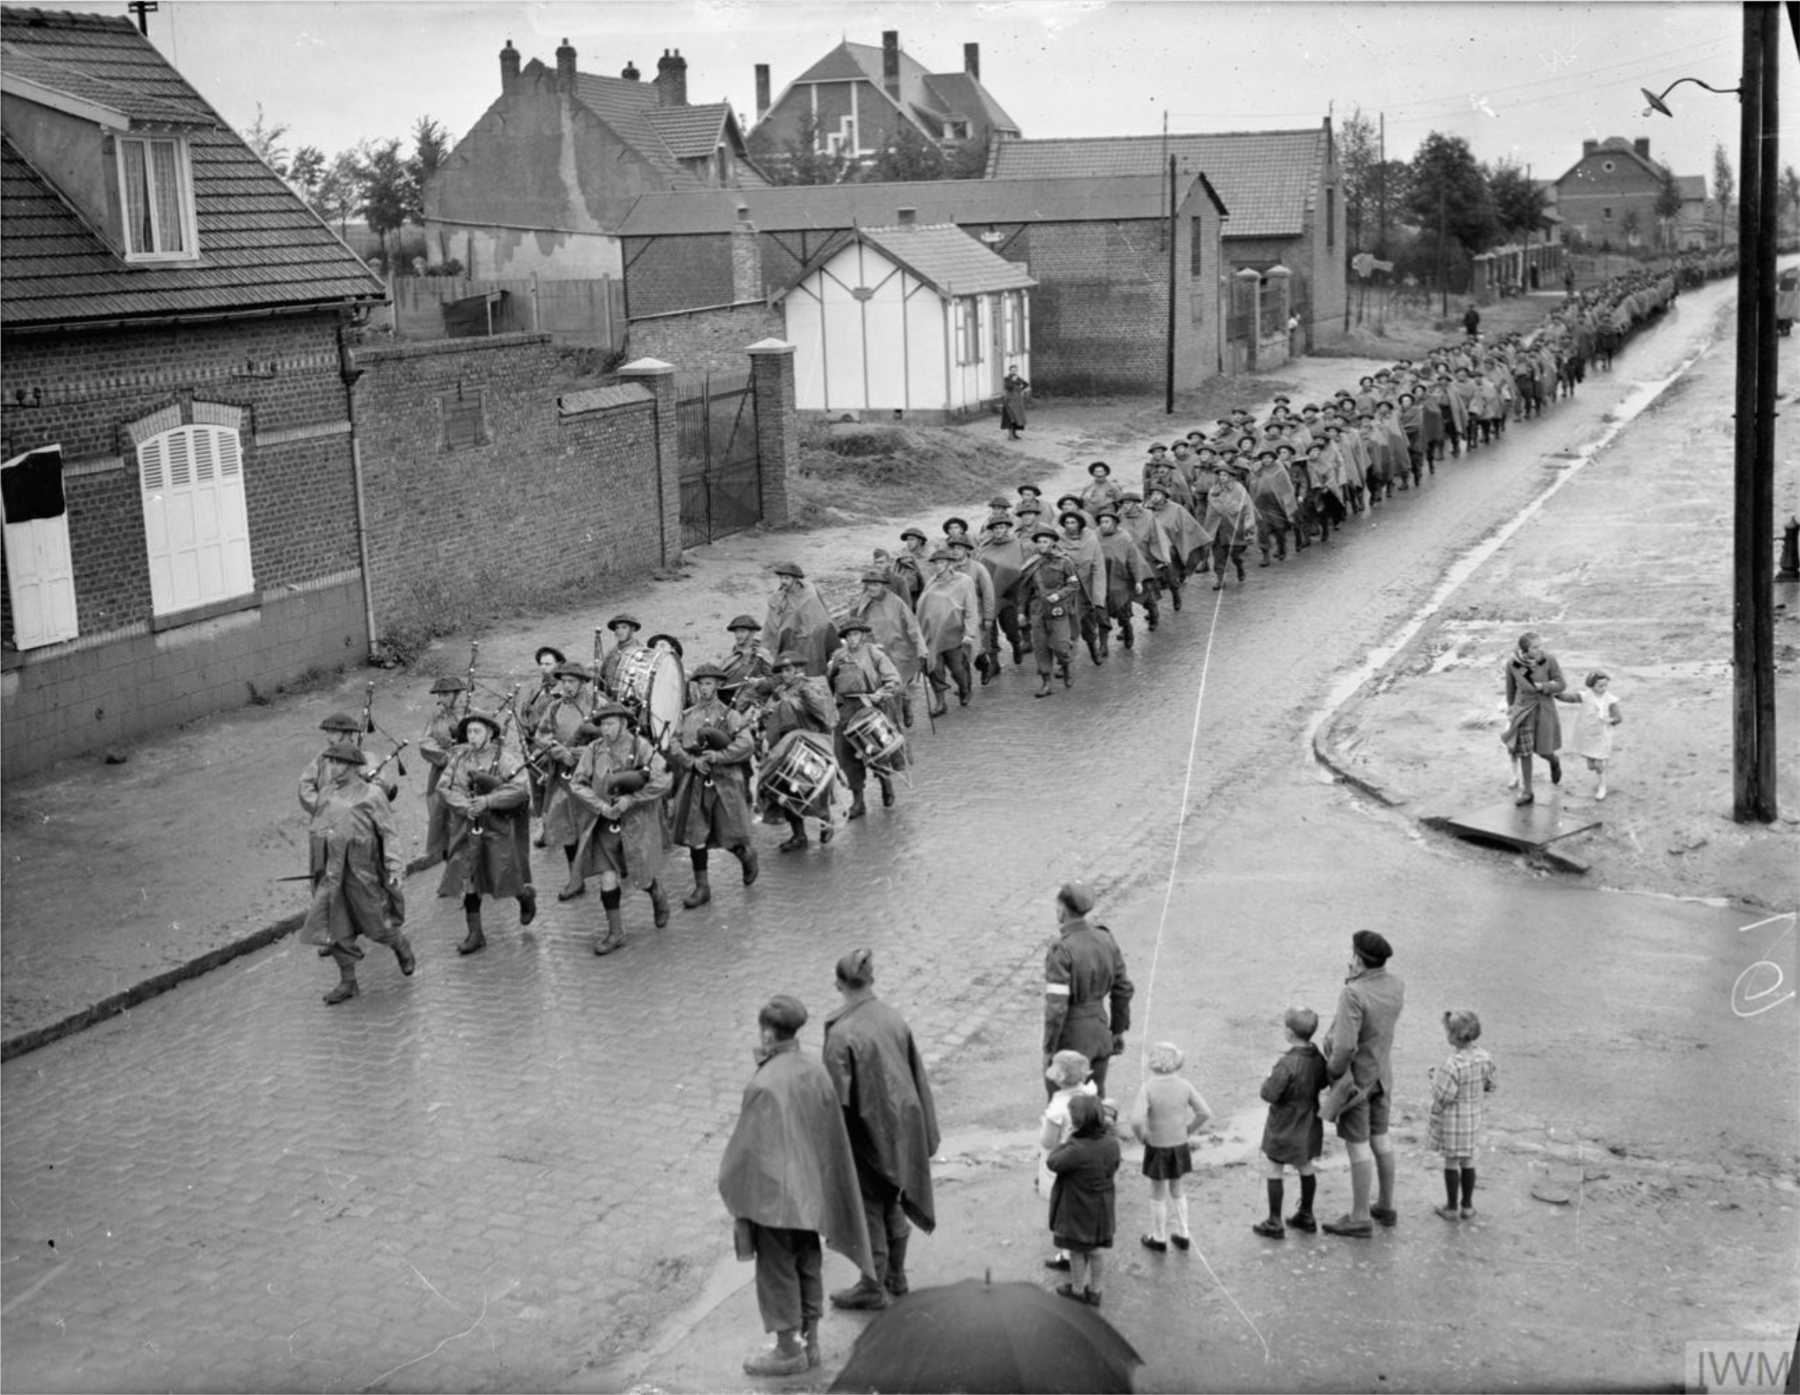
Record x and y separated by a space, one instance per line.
1590 734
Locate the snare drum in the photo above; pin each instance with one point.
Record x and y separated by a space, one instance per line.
799 776
876 741
650 682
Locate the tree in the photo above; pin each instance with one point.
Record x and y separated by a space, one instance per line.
431 147
386 191
1724 185
305 171
1518 201
1358 158
265 140
907 155
1448 189
1668 206
339 192
967 159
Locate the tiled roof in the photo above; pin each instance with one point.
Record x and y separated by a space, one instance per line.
661 136
17 61
1268 179
944 256
822 206
260 247
933 95
690 132
965 97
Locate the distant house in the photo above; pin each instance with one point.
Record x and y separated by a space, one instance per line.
1097 247
1697 227
542 180
1608 197
920 320
182 521
856 97
1281 187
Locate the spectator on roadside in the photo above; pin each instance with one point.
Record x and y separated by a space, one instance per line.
1472 321
1459 1090
1360 1044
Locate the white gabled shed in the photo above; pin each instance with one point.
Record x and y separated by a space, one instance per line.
917 320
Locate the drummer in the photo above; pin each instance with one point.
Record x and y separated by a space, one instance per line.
710 803
625 628
862 677
558 739
799 710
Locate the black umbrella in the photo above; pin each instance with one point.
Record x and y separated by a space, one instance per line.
981 1336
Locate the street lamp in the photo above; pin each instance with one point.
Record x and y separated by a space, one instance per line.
1753 552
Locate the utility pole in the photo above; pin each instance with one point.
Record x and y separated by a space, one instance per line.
1381 186
143 9
1753 553
1443 281
1169 363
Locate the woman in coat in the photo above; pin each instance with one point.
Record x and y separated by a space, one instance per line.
1533 679
619 785
1012 404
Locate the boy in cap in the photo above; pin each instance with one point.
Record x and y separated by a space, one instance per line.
488 808
353 856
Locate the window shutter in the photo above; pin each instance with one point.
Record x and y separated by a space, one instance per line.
39 568
196 520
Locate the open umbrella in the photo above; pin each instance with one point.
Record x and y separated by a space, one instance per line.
977 1335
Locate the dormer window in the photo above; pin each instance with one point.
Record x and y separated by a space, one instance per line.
156 187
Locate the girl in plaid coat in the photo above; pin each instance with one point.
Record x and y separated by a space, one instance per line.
1459 1091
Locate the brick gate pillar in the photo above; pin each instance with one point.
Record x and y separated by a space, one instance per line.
777 423
659 379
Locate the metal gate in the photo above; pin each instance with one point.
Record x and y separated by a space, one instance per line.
721 469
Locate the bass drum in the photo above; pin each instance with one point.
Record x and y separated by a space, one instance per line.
652 685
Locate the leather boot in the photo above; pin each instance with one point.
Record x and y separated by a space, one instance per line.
1281 547
746 855
1265 558
702 892
868 1294
786 1358
887 792
403 952
1043 686
659 905
576 885
1062 667
527 906
857 807
346 987
1127 636
474 940
1175 597
1238 562
1093 648
1106 644
809 1337
894 1281
613 937
797 839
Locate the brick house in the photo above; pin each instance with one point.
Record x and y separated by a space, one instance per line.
541 181
182 525
1608 197
860 96
1098 248
1281 187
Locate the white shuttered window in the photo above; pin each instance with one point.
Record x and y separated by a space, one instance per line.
195 520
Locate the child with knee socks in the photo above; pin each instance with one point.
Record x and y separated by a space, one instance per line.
1294 1135
1081 1202
1167 1110
1459 1091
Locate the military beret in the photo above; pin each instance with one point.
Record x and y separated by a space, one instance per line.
856 969
744 622
344 722
346 751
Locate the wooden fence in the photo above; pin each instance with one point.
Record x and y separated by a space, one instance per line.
589 313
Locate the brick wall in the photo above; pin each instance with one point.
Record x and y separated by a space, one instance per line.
282 375
548 500
663 274
704 339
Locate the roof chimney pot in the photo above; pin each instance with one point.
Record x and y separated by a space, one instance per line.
671 79
1642 146
890 62
972 60
762 90
565 67
1588 147
630 71
509 70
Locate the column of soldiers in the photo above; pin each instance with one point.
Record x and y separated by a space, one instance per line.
804 707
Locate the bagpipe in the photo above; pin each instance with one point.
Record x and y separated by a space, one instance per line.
371 727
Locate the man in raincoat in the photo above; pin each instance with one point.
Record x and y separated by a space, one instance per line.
619 786
886 1098
1004 557
895 629
355 865
487 811
788 1178
1231 520
949 612
798 619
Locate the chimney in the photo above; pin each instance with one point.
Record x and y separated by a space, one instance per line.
890 62
762 90
972 60
908 217
1642 146
671 79
509 70
565 68
629 72
1588 147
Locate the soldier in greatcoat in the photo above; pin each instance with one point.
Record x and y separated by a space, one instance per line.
488 807
1051 590
895 630
1004 557
798 619
353 856
881 1084
619 785
861 675
1125 573
709 805
435 746
949 611
558 741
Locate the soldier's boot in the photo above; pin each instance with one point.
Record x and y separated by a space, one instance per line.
887 791
577 884
895 1278
474 940
527 906
1265 557
797 836
346 985
1043 686
809 1336
746 855
1238 562
403 953
906 715
1175 595
1127 636
1219 579
613 937
1062 667
787 1357
702 892
659 905
857 807
1106 643
1281 546
1152 615
1093 648
867 1293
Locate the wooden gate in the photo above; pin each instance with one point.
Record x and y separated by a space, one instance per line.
721 468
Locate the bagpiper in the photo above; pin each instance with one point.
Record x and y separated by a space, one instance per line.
709 805
488 853
619 786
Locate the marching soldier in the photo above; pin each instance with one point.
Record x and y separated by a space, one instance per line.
435 747
950 617
1231 519
1152 539
557 738
547 658
1004 557
861 676
619 785
800 708
1082 549
353 852
1101 488
1125 572
1051 589
1187 539
987 658
710 802
1277 510
798 620
911 564
747 661
893 627
488 809
338 726
625 627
